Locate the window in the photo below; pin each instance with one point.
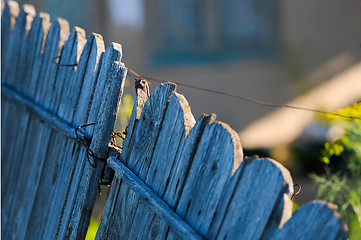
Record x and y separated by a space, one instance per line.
181 31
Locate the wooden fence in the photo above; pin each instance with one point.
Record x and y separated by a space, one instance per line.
175 177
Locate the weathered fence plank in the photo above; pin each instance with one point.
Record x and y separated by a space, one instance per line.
12 119
173 132
152 200
199 174
315 220
60 143
140 152
48 92
89 61
110 82
37 155
259 185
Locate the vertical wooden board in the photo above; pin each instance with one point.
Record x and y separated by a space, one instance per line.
148 129
89 83
104 231
111 68
11 127
62 143
12 55
112 89
22 82
7 167
32 84
26 178
111 204
68 56
46 67
260 183
27 57
210 172
138 106
7 24
170 143
68 90
315 220
68 176
143 140
57 161
86 69
18 36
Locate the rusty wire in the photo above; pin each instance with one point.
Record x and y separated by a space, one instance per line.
248 99
90 152
297 192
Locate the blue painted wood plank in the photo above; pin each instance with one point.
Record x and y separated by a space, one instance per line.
47 65
315 220
11 55
68 56
104 226
35 149
13 114
254 191
218 151
53 121
153 200
9 13
112 73
70 173
145 137
67 110
177 123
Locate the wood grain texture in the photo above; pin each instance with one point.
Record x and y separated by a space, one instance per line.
111 81
152 200
260 183
200 174
211 170
10 60
70 172
315 220
54 185
53 121
22 119
173 132
14 115
64 164
140 150
37 154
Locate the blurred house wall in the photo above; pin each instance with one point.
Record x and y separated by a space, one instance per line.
318 39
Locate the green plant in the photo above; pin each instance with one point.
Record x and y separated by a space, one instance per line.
124 112
342 185
92 229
